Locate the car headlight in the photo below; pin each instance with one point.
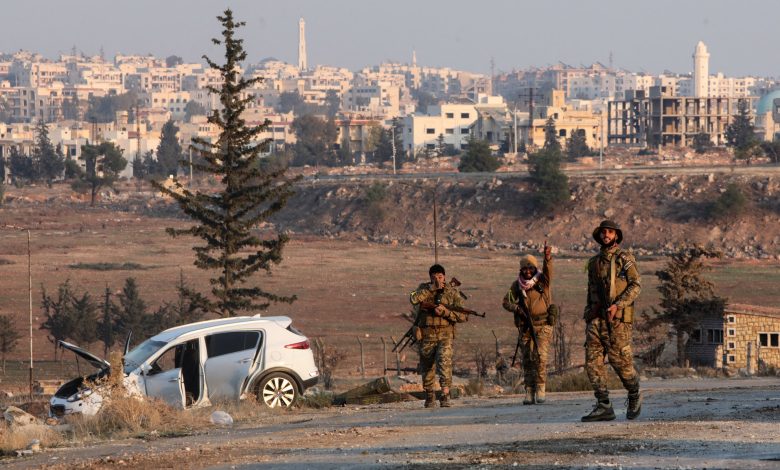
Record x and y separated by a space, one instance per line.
80 395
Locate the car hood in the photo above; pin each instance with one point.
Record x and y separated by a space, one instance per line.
97 362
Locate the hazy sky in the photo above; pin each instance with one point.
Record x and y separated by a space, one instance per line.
649 35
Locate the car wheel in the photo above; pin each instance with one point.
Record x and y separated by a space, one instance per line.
277 390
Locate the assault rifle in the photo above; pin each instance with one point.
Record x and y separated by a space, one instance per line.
530 326
432 306
410 338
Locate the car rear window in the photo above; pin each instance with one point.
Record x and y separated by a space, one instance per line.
234 341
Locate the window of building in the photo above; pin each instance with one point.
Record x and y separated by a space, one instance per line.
769 340
449 131
731 359
732 332
696 336
464 115
731 319
562 133
731 345
715 336
430 131
464 130
430 146
450 115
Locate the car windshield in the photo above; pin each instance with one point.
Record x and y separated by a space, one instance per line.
140 353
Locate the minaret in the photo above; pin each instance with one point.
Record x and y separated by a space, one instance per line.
414 58
302 65
701 71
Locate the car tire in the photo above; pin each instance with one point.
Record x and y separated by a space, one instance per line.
277 390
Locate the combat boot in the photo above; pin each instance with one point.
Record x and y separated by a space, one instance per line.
445 401
601 412
529 396
634 405
430 400
540 394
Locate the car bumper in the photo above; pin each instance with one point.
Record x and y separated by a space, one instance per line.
310 382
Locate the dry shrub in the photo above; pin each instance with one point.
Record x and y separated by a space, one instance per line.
124 416
577 381
671 372
327 359
475 386
12 439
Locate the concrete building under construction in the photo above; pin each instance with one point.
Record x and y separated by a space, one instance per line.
661 118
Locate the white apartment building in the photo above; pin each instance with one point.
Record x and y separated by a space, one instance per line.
35 74
378 99
173 102
452 120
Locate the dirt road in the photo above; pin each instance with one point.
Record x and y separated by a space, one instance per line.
714 423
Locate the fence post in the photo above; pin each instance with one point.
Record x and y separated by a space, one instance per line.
362 359
397 359
384 355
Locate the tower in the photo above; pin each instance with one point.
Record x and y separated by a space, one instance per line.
701 71
302 65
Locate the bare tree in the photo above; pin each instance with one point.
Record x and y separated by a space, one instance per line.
9 336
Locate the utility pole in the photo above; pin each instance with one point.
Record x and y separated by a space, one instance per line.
29 274
137 134
392 143
515 126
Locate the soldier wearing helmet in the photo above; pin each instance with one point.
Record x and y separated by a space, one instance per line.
613 286
530 294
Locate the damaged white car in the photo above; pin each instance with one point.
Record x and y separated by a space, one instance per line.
196 364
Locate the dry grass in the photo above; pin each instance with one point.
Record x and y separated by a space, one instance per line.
17 439
577 381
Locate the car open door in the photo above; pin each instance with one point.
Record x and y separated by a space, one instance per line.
230 357
163 379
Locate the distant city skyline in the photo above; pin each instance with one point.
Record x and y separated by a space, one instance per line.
647 36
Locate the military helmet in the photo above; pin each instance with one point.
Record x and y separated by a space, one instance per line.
529 260
608 224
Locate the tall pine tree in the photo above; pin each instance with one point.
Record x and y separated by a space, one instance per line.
169 152
248 193
550 183
49 163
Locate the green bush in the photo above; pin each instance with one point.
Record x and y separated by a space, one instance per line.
730 203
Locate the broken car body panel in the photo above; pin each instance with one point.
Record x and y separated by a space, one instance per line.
194 364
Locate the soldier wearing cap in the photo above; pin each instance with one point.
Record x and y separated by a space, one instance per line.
437 327
613 286
530 295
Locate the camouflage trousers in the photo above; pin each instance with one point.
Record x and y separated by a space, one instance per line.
535 368
618 349
436 356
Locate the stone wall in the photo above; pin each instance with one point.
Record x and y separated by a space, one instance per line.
741 341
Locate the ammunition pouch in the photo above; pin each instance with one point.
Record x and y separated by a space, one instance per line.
552 315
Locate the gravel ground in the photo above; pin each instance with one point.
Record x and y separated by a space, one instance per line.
685 423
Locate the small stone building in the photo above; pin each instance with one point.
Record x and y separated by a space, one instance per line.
743 338
751 337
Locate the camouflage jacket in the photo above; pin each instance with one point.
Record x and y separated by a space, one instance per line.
537 299
626 286
426 317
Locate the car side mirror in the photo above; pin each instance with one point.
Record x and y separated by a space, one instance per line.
145 368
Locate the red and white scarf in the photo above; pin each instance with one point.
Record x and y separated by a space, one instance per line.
526 285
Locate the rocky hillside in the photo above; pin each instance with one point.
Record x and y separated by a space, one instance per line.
657 213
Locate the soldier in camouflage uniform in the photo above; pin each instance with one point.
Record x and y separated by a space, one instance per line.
437 328
613 286
532 288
